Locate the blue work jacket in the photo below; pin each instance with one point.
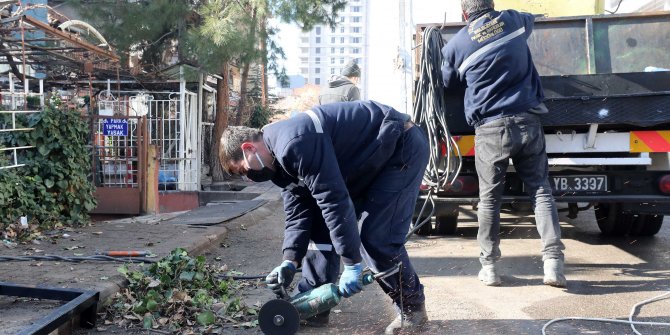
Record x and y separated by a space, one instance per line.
330 154
491 58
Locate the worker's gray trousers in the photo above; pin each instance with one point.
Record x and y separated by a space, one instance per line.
521 138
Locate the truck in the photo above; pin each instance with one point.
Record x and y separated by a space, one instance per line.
606 80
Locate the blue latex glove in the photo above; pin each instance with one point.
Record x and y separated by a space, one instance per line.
351 281
281 276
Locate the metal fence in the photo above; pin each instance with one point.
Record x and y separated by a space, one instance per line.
11 121
9 156
116 151
172 125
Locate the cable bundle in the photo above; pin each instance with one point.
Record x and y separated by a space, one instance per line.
430 107
429 112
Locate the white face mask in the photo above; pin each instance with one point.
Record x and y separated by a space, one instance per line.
257 157
264 174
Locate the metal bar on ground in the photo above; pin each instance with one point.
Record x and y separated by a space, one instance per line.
79 302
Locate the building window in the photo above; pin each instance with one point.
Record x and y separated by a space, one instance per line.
355 40
356 9
318 30
342 19
356 30
332 40
342 40
317 60
317 70
317 81
342 30
341 50
304 40
332 70
332 60
318 40
355 19
342 60
332 30
355 50
317 50
332 50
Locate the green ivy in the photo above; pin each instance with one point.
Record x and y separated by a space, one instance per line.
54 187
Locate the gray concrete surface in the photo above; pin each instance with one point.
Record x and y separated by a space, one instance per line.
143 233
607 276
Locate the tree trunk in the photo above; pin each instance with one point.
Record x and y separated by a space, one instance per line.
264 67
220 123
242 105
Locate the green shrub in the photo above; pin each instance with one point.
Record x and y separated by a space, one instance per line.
53 187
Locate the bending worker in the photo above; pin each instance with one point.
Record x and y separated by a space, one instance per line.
490 58
344 168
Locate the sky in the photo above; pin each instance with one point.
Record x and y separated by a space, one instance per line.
289 38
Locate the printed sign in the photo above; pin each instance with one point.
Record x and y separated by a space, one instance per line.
115 127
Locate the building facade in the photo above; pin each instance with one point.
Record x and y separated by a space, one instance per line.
325 50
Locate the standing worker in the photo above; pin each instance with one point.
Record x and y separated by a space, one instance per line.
490 58
343 87
350 174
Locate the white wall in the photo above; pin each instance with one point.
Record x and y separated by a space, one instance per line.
391 25
629 6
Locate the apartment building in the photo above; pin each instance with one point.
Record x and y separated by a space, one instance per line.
325 50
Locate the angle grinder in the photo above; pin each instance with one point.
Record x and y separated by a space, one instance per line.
282 316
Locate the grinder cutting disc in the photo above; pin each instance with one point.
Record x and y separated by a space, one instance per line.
278 317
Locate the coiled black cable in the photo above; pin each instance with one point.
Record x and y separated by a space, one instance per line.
429 112
430 109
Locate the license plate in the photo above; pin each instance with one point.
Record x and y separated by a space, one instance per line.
589 183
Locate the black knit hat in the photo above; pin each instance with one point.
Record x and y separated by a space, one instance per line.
351 70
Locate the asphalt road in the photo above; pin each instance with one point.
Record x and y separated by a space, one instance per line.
606 278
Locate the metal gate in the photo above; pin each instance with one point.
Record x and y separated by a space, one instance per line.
176 134
168 120
119 160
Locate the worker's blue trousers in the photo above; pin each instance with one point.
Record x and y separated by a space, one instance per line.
385 212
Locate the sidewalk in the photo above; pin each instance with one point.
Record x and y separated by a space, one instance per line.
153 233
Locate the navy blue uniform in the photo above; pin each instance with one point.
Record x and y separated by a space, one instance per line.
350 174
491 57
503 94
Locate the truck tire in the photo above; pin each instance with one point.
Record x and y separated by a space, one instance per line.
611 220
424 230
647 225
446 224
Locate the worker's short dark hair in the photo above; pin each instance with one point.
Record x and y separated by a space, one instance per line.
231 141
473 6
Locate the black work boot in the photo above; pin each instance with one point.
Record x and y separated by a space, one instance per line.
409 321
319 320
